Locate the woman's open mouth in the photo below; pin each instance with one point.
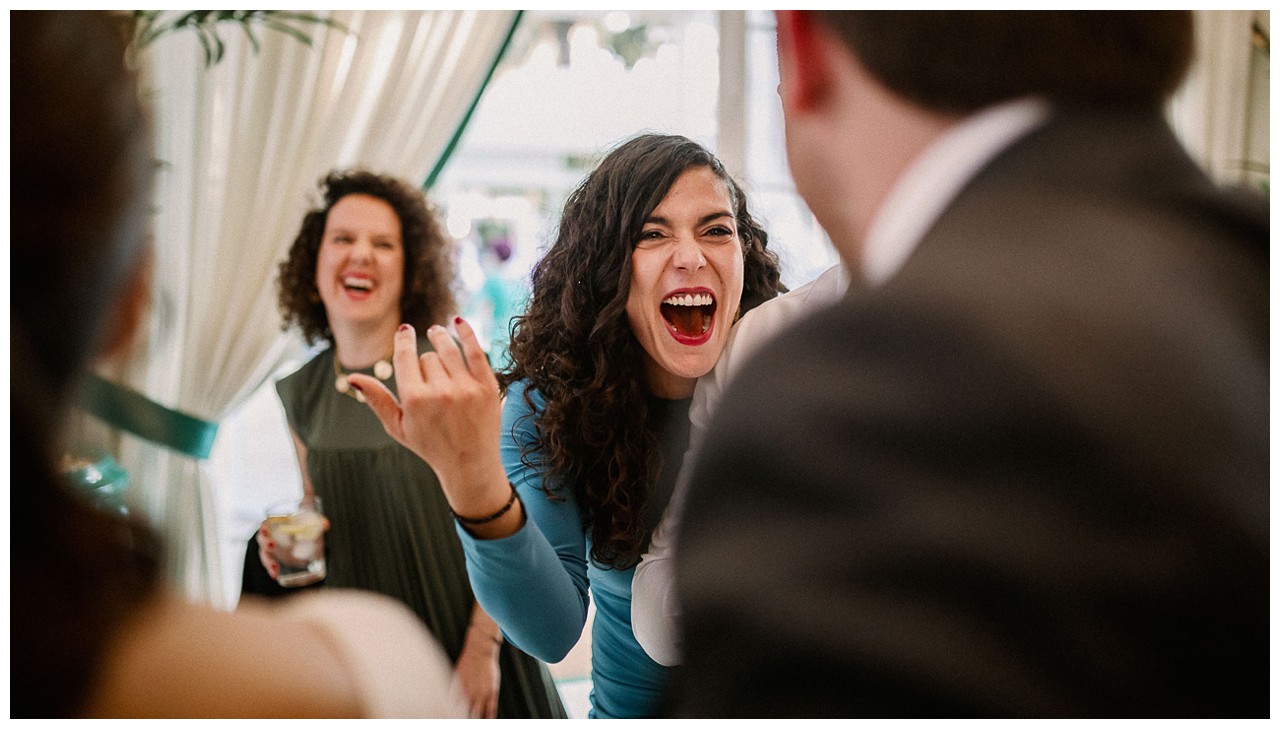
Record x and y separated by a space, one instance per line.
357 286
690 316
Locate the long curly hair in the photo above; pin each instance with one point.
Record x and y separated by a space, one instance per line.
429 255
575 346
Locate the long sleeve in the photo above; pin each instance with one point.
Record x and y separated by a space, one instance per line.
533 583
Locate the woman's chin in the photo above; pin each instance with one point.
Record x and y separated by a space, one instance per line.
679 374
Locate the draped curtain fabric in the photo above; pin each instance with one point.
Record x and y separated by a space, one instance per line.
240 148
1218 107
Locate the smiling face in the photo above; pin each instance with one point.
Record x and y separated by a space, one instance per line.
360 265
686 282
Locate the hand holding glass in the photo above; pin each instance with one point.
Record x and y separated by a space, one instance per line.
297 530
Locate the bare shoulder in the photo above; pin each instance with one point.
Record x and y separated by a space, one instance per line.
291 659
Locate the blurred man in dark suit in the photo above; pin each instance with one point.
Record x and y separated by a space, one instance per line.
1022 468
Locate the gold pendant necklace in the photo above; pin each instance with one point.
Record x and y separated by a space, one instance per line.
381 369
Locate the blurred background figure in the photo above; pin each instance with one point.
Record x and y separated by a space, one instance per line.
94 630
370 257
1021 469
503 291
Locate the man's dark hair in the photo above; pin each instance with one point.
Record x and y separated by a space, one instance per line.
961 61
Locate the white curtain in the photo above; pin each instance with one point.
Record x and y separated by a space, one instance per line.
241 147
1222 111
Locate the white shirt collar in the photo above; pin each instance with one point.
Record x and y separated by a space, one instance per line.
934 179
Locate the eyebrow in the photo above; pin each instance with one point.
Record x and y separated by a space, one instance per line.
701 221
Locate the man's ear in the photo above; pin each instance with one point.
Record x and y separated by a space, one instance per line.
804 67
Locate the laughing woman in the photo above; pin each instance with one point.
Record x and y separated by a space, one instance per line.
656 256
371 256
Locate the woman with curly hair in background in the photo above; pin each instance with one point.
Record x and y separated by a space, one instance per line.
656 257
370 257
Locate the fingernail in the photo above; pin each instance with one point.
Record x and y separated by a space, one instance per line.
356 385
405 327
457 320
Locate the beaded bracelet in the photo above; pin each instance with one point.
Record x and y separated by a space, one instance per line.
486 519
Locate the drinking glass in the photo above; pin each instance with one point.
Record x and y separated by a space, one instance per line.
297 529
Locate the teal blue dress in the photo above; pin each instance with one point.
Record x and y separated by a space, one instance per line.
537 583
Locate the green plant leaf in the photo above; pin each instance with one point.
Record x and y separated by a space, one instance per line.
222 48
208 48
150 25
313 19
288 30
253 40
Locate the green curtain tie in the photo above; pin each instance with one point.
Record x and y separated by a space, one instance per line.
132 412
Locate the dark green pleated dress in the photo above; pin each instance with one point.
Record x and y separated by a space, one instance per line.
391 530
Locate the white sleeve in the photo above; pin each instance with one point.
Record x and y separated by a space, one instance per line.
655 606
398 668
655 609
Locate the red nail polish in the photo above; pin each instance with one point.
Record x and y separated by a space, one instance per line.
404 327
356 385
457 320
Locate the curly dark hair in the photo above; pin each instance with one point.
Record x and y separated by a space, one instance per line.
575 346
428 295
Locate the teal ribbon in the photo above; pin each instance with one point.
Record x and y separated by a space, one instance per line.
134 413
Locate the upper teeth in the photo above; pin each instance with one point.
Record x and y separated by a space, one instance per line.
689 300
357 283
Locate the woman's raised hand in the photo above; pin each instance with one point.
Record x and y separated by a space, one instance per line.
448 413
